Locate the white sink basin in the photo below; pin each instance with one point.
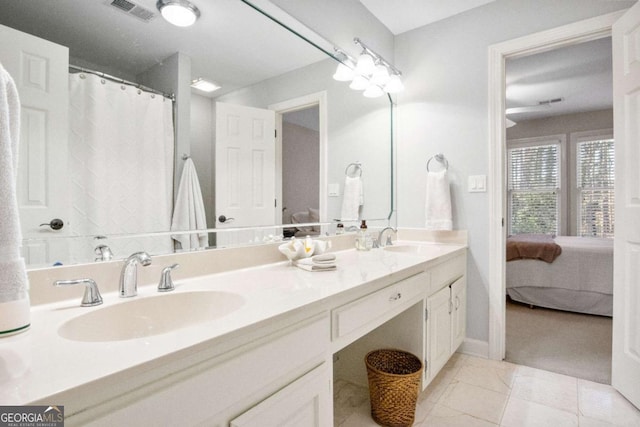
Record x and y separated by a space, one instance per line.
421 250
143 317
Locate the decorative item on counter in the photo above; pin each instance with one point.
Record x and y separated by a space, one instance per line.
340 228
363 240
299 249
325 262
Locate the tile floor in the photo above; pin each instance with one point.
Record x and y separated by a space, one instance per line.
471 391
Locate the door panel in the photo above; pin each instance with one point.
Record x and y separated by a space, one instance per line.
245 170
626 287
40 71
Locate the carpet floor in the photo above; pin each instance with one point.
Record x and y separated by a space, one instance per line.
558 341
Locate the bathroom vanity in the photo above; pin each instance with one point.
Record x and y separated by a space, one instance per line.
266 350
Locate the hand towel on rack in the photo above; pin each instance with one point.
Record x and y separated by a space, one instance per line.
352 198
15 309
438 202
188 212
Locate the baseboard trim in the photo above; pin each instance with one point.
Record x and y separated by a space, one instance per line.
475 348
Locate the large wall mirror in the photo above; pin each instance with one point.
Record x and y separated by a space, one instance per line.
326 132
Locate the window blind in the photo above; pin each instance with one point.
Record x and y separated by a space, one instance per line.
534 186
595 178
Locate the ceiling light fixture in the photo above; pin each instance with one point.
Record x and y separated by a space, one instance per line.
178 12
370 72
204 85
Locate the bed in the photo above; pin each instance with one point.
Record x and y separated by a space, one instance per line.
579 279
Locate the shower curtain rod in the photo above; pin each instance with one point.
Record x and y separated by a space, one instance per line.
125 82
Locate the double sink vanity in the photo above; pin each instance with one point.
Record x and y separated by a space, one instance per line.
245 339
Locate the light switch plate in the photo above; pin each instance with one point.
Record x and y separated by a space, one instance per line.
477 184
333 190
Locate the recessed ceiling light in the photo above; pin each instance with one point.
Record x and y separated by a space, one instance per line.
204 85
178 12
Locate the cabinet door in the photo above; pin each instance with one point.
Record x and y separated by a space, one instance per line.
438 331
459 313
306 402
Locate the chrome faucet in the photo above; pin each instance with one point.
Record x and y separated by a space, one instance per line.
388 242
103 253
129 275
91 293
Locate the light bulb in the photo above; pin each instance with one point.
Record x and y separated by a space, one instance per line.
343 73
380 76
359 83
373 91
365 65
394 84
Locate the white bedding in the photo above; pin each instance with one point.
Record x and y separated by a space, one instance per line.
580 279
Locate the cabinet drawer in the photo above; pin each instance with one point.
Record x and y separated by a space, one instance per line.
375 308
448 272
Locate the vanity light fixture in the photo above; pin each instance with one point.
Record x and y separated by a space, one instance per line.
394 85
345 71
370 72
365 65
373 91
359 83
204 85
181 13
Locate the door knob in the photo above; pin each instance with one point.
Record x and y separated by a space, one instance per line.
223 218
55 224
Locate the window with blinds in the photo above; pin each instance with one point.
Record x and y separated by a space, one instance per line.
595 179
534 189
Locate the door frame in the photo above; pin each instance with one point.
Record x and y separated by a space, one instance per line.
300 103
579 32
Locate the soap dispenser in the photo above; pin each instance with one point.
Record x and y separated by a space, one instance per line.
361 238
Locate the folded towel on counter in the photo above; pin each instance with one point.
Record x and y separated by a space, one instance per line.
323 259
14 284
352 198
438 202
325 262
189 213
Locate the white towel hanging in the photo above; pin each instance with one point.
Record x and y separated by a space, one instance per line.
189 212
14 284
438 202
352 198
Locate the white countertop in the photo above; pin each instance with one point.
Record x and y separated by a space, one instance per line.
39 363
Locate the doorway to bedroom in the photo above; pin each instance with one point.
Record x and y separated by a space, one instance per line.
559 197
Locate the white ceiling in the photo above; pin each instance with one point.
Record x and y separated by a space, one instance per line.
581 75
405 15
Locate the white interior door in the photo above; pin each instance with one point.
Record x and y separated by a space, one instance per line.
626 289
40 70
245 169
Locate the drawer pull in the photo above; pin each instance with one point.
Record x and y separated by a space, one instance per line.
395 297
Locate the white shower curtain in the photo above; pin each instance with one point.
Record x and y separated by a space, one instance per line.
121 164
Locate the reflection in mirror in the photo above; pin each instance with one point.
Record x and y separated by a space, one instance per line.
323 126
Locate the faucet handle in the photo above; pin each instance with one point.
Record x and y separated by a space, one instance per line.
166 283
91 293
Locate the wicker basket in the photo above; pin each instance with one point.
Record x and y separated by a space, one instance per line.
394 382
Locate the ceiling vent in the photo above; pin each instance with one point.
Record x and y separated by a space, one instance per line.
132 9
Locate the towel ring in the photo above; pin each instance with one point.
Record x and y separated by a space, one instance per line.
357 167
439 158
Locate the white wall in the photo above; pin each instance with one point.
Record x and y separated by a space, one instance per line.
339 21
359 129
202 151
444 109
